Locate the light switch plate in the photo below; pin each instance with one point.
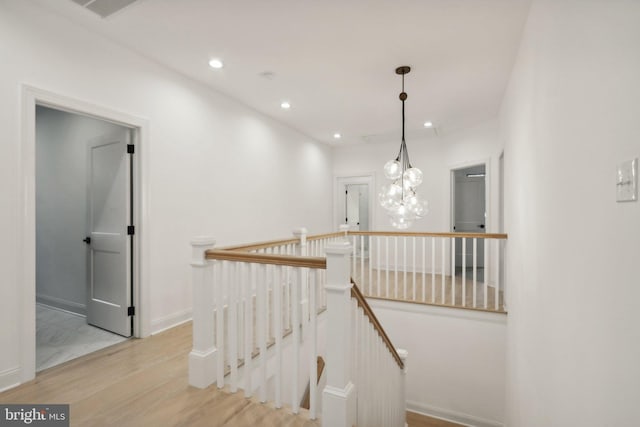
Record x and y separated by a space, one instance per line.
627 181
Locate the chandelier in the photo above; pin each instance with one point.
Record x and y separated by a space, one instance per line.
399 197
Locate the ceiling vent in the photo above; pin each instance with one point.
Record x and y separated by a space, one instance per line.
104 8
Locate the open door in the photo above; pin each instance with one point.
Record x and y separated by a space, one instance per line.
109 242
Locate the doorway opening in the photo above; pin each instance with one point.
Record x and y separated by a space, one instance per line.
469 214
84 204
354 207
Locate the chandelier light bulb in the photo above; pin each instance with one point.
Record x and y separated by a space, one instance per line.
393 169
413 176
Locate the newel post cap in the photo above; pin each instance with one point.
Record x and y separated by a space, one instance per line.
300 231
203 241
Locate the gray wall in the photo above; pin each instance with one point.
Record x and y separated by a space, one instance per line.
61 206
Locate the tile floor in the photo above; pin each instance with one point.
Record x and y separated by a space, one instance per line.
62 336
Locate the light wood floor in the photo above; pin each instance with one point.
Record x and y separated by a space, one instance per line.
431 292
418 420
144 383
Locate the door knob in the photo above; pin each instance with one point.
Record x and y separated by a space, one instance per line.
481 226
87 240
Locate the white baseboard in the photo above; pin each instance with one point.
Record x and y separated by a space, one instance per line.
62 304
170 321
10 378
449 415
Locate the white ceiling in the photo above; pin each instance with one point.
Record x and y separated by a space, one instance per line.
334 60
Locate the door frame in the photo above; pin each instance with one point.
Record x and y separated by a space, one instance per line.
338 191
32 96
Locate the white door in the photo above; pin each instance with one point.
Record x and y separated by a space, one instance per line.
109 190
357 212
469 212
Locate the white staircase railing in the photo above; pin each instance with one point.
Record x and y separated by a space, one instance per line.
257 327
453 269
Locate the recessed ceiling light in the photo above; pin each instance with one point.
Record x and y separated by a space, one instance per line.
285 105
216 63
337 135
428 124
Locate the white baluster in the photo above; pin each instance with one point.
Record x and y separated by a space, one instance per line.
263 329
453 271
221 295
378 262
442 263
204 354
386 240
464 271
295 332
404 268
277 324
339 395
475 269
395 253
249 285
313 353
362 278
424 269
414 267
370 259
232 318
433 269
486 276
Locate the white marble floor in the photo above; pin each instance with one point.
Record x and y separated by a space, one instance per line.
62 336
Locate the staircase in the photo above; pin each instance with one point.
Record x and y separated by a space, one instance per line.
257 332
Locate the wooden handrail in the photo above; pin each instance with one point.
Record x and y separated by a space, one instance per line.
428 234
260 245
362 302
324 236
288 260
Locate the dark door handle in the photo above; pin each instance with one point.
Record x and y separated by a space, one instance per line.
481 226
87 240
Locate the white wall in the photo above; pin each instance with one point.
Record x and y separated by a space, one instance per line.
216 167
456 363
61 206
570 115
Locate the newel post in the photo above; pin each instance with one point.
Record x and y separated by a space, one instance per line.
202 359
339 395
404 354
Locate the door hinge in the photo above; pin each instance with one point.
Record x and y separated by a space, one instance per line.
131 148
131 230
131 311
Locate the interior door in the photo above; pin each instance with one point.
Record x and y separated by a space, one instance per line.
357 212
109 196
470 208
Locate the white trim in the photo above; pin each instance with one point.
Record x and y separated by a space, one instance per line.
436 310
9 378
364 178
62 304
171 321
32 96
452 416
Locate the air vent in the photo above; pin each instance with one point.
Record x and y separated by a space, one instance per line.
104 8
